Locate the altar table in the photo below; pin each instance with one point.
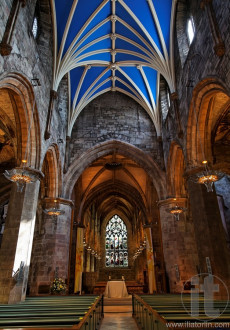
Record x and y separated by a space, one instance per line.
116 289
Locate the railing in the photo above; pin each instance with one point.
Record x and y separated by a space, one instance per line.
146 317
93 318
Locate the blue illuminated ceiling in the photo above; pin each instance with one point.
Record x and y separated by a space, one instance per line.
114 45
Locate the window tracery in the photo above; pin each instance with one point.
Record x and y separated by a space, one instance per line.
116 243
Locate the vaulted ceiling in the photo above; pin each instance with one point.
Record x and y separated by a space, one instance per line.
114 45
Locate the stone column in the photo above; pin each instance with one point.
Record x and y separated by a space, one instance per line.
79 259
88 254
209 232
179 245
150 259
5 47
219 47
61 238
92 263
51 247
15 252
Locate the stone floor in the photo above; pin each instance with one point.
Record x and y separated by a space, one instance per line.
118 318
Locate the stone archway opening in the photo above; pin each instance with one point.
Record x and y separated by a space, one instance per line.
115 185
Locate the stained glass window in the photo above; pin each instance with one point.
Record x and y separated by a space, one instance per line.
116 248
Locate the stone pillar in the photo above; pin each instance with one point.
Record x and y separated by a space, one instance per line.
15 252
53 96
51 247
209 232
150 259
5 47
219 47
179 245
79 259
88 254
92 263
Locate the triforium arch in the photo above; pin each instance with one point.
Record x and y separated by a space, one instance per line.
175 171
110 147
51 185
23 117
210 102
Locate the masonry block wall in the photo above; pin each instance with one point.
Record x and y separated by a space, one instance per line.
114 116
33 59
201 63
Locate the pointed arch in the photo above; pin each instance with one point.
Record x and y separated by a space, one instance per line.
210 100
106 148
52 183
23 116
175 171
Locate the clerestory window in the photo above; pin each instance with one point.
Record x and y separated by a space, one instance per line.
116 248
190 30
35 27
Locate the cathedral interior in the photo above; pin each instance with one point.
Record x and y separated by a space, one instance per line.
114 145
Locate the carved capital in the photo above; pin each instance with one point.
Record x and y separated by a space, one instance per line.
219 49
203 3
53 94
23 2
174 96
47 135
5 49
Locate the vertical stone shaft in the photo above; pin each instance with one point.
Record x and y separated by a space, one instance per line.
174 98
53 96
219 47
5 47
66 164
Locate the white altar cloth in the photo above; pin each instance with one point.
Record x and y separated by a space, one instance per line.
116 289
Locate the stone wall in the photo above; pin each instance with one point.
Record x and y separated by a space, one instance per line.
201 62
114 116
33 59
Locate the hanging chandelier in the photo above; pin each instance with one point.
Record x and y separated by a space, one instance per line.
207 176
21 176
176 211
54 211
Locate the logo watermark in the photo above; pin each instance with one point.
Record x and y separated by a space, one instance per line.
200 303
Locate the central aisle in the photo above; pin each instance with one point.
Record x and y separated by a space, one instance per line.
118 314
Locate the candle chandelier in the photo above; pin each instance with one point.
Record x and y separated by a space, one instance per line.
207 176
54 211
176 211
21 176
